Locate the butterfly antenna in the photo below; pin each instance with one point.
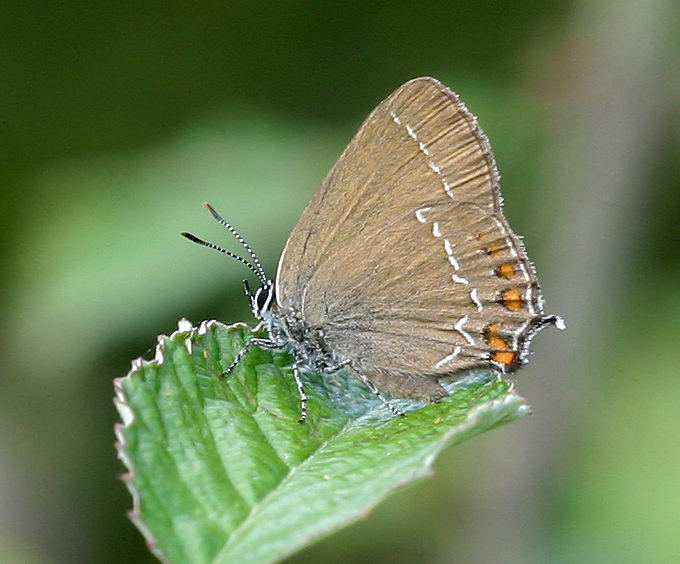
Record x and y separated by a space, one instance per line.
258 272
246 246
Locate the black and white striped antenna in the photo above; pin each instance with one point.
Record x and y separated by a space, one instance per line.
255 266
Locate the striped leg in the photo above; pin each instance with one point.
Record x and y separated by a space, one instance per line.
265 343
301 391
382 398
336 367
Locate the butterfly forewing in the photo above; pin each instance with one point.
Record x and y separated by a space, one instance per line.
403 257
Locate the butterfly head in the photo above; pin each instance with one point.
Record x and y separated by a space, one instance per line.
261 299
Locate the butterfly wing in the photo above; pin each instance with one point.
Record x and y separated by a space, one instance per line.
403 256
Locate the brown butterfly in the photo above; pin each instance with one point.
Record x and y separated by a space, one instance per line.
402 268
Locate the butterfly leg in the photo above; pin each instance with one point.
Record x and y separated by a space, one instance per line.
382 398
336 367
301 392
265 343
367 382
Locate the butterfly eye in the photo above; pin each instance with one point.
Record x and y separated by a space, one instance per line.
262 298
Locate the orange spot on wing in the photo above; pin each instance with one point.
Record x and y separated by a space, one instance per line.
491 334
492 249
512 299
504 357
506 271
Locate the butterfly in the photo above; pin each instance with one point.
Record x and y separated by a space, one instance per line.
402 268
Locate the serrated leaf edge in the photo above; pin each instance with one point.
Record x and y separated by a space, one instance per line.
128 417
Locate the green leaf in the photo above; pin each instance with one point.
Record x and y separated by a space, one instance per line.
221 471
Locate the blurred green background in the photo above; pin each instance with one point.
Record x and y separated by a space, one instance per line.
117 121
